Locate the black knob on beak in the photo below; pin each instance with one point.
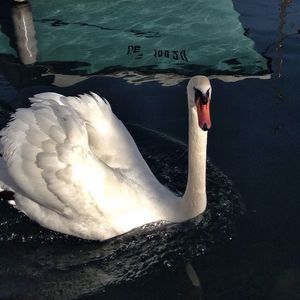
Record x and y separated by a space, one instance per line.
205 128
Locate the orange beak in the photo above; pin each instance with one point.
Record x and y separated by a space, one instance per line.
203 114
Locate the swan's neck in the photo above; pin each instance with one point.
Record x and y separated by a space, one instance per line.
194 198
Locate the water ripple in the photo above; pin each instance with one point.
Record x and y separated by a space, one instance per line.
60 261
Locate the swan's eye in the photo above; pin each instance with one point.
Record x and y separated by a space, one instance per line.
200 97
207 93
198 94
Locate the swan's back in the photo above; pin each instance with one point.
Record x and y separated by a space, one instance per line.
61 164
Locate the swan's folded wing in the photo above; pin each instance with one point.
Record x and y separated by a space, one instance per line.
48 158
109 139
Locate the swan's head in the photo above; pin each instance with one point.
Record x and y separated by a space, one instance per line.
199 95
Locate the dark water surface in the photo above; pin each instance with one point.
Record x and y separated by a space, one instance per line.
254 141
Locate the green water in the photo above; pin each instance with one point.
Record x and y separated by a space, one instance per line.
188 37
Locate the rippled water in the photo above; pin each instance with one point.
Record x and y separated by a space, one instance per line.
186 37
57 260
253 141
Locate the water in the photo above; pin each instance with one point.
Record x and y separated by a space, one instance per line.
90 268
253 255
171 37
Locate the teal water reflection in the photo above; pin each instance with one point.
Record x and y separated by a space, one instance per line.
202 36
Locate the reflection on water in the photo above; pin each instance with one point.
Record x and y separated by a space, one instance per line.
279 56
281 36
187 38
59 262
253 139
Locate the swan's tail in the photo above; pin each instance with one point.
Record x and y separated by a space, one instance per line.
6 184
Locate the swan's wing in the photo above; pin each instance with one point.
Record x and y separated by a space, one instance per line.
109 140
49 161
6 183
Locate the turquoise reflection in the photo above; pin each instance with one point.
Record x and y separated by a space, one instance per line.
200 36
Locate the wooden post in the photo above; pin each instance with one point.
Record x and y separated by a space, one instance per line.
24 31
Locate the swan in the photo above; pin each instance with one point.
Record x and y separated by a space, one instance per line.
74 168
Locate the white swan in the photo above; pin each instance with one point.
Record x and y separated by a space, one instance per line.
74 168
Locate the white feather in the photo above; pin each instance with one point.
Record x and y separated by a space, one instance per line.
74 168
